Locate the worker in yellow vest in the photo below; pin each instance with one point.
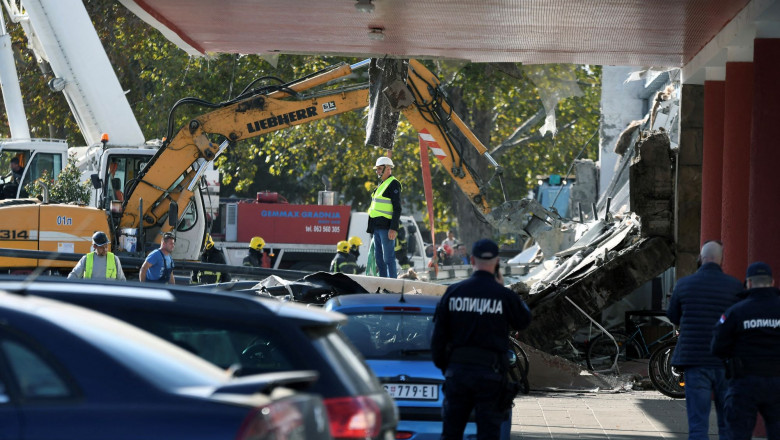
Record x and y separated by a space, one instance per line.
99 264
384 216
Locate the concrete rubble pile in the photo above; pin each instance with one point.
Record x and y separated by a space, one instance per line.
611 257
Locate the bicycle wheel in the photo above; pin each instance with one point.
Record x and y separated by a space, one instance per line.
522 365
664 377
602 352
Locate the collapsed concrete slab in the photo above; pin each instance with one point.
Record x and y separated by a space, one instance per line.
613 257
555 319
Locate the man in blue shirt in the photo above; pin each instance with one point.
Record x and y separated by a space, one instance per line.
158 267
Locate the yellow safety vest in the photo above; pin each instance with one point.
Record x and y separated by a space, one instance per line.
110 265
381 206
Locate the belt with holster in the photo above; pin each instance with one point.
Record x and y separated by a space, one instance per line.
476 356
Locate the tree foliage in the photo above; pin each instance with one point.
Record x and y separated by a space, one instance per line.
494 100
66 188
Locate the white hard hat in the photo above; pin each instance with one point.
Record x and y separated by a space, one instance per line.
383 161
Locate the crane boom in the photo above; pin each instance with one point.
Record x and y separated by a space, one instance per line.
61 33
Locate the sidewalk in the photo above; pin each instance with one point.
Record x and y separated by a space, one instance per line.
601 415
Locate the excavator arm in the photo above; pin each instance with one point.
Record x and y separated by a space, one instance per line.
176 168
174 171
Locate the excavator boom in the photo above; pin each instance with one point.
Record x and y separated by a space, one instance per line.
172 173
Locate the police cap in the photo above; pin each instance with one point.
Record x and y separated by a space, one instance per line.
485 249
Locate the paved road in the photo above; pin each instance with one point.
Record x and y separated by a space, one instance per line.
605 415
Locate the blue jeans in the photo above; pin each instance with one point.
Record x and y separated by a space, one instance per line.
701 383
748 395
384 253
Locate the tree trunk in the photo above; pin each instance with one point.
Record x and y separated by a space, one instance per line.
471 225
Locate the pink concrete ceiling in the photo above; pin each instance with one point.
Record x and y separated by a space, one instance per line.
608 32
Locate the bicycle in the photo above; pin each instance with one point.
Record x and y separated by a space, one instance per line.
603 352
666 378
521 366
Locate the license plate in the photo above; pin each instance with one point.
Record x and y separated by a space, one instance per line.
411 391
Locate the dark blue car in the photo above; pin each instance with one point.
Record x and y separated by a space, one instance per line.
244 334
393 332
71 373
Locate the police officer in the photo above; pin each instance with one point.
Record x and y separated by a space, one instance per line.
158 266
748 337
212 255
99 264
343 262
470 344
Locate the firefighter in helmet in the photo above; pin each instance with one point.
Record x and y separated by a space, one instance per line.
354 246
354 251
256 257
343 261
214 255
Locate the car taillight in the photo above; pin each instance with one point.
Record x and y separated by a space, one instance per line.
353 417
277 421
403 434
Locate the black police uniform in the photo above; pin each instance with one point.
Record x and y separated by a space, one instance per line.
748 335
470 344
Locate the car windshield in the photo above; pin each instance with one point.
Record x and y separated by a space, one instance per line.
391 336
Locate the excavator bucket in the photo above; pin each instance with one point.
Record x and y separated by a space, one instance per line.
382 115
515 216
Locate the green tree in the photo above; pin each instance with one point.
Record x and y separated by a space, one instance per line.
66 188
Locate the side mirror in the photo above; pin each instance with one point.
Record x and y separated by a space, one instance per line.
96 183
173 214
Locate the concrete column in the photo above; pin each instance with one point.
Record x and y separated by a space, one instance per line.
764 201
736 166
712 160
687 209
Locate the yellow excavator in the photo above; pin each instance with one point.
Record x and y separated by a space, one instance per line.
169 180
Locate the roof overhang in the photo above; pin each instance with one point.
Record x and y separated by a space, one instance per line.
664 33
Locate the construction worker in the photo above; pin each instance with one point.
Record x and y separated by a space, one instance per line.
158 266
98 264
343 262
384 216
212 255
256 257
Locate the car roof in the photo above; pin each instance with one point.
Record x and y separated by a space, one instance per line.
53 286
373 301
102 331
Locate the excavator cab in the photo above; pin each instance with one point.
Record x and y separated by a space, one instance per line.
23 162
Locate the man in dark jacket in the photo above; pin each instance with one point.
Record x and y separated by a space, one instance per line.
470 343
697 303
748 336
